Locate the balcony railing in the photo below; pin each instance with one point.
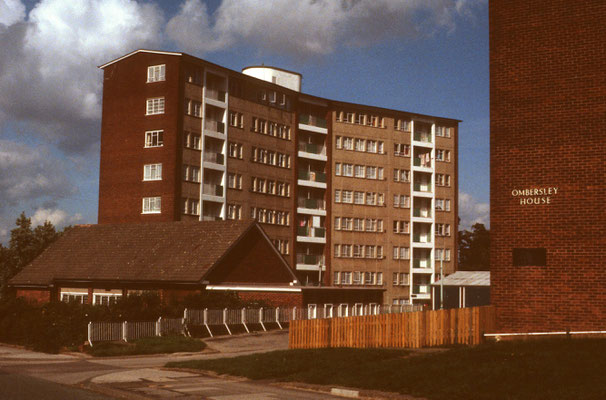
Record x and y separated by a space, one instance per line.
422 187
216 158
311 231
421 263
420 289
419 238
312 148
215 94
312 176
422 137
212 189
314 204
312 120
417 162
216 126
421 212
310 259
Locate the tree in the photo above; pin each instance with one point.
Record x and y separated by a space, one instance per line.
474 249
25 245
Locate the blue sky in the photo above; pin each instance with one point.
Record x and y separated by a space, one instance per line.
425 56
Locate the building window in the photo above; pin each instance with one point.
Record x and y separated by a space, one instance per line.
400 278
106 299
234 211
191 173
402 125
401 201
401 150
78 297
401 253
401 175
152 205
234 181
154 138
444 131
193 108
442 180
442 229
152 172
358 197
155 106
235 150
443 204
443 155
359 171
443 254
401 227
236 119
156 73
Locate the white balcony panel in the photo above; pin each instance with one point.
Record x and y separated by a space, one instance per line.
309 267
311 239
311 211
312 156
314 184
312 128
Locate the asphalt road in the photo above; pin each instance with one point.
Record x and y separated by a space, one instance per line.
29 375
18 387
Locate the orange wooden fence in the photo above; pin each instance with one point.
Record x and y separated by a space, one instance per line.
411 330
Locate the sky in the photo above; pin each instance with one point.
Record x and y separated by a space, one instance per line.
422 56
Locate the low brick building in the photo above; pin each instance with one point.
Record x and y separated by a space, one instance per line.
99 263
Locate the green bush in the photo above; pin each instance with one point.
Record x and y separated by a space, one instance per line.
52 326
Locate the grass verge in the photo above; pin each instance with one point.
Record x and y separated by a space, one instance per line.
545 369
153 345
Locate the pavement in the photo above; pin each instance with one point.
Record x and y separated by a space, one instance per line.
143 377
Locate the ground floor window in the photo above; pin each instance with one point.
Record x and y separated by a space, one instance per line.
68 297
106 299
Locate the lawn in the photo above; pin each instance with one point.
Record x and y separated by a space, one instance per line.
545 369
153 345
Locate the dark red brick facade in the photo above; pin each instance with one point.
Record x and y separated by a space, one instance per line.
34 295
548 113
274 299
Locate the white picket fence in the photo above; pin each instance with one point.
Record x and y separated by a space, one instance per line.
246 317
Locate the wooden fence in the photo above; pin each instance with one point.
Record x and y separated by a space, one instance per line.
410 330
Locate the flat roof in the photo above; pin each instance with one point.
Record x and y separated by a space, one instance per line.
466 278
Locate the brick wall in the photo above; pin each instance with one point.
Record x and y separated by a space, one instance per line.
274 299
547 61
34 295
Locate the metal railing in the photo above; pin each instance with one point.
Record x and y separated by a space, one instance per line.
312 120
310 259
231 318
311 231
314 176
314 204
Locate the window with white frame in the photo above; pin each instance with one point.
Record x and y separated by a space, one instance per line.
346 278
357 278
401 150
371 146
156 73
401 201
442 155
359 171
402 125
401 175
235 150
343 310
234 181
348 169
443 131
234 211
442 180
360 145
155 106
347 196
371 172
442 229
328 311
154 138
358 197
106 299
400 278
443 254
152 172
443 204
401 227
401 253
152 205
348 143
80 297
338 142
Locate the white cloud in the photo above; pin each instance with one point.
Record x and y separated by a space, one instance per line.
11 11
471 212
57 217
310 27
48 65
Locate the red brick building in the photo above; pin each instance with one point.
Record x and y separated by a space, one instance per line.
99 263
352 195
548 168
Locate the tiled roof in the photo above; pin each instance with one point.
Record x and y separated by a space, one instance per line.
168 252
467 278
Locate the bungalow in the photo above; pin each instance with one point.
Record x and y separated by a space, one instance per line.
99 263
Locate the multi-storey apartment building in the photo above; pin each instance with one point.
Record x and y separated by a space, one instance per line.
352 195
